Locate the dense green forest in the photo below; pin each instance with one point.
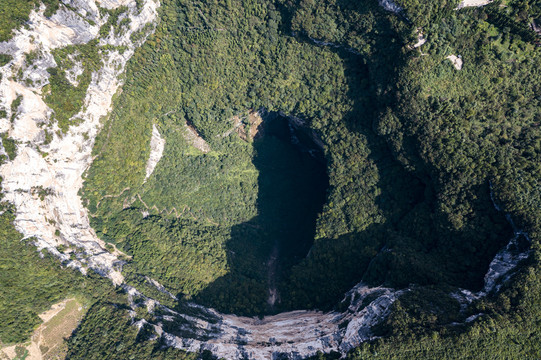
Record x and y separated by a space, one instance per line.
209 66
376 162
410 146
14 13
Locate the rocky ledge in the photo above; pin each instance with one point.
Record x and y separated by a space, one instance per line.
44 177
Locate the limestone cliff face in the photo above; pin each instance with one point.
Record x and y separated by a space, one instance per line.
59 217
43 180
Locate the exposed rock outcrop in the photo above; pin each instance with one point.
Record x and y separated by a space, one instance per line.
390 5
157 145
59 217
473 3
456 61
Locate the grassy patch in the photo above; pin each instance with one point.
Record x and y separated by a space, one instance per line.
56 330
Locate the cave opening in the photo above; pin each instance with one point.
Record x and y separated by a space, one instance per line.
293 183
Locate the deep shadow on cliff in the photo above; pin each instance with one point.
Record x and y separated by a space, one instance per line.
410 242
292 187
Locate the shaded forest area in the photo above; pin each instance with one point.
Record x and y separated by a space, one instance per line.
410 143
207 73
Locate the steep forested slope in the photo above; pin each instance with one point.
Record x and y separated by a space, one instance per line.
411 144
30 282
376 161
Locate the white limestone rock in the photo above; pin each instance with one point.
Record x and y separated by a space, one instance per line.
473 3
456 61
157 145
60 217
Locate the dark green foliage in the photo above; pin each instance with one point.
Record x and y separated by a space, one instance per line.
113 21
14 13
51 6
30 57
107 332
180 268
15 107
139 35
421 311
4 59
489 111
348 256
413 149
404 205
507 23
508 328
65 99
525 10
423 13
210 71
9 146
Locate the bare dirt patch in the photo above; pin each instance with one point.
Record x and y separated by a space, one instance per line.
247 127
48 341
194 139
256 124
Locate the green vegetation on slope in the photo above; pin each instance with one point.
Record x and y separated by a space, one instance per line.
14 13
208 67
107 332
64 98
407 141
30 282
507 329
411 147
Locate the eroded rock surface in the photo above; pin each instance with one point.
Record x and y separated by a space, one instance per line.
473 3
390 5
43 181
456 61
157 145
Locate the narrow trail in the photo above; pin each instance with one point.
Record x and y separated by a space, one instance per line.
110 197
293 334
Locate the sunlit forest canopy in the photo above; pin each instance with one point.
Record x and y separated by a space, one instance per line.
408 198
309 146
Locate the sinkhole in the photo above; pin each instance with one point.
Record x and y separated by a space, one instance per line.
292 188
